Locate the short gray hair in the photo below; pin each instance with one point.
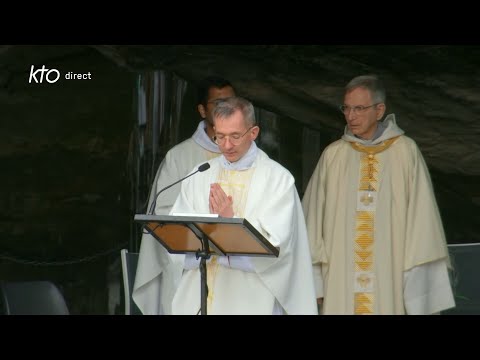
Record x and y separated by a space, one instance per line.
225 108
370 82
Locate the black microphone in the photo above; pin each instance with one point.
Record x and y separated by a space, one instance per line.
201 168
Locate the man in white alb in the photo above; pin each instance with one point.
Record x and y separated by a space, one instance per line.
245 182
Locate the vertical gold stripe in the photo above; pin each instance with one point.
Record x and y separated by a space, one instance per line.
235 184
364 237
212 268
364 230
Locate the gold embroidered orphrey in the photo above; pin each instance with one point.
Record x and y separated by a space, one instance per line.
364 281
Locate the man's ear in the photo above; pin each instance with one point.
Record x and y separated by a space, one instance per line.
380 109
254 132
201 109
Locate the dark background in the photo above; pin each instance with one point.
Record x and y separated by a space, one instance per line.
70 150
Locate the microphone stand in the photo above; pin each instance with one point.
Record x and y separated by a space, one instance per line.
204 252
201 168
204 255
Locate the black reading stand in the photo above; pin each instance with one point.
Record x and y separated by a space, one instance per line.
205 236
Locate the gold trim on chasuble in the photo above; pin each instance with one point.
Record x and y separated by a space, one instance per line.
235 184
364 277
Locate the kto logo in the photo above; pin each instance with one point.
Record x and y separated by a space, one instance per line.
51 75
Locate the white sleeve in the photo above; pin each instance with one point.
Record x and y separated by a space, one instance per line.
242 263
427 289
191 262
318 279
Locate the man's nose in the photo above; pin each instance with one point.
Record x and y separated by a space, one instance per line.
228 144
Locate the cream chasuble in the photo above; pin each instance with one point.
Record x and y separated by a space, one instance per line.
265 195
230 291
376 237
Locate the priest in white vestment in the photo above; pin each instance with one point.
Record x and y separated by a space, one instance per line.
376 236
244 182
178 162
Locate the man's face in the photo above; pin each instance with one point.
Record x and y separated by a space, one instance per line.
233 136
360 115
213 95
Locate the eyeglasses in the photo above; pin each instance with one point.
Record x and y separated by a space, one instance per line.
356 109
235 139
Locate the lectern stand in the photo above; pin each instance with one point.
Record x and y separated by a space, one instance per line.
205 236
